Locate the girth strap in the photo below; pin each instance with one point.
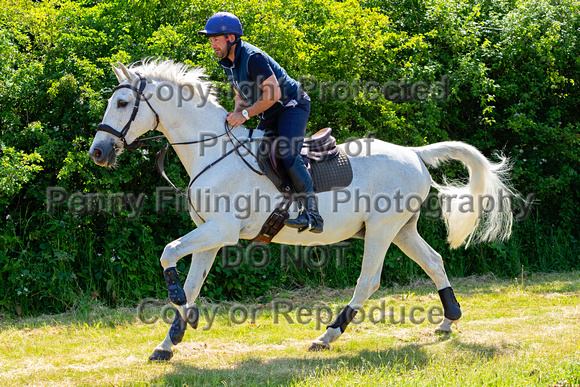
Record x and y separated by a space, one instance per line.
274 223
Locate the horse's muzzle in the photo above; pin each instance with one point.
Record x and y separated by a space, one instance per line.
103 154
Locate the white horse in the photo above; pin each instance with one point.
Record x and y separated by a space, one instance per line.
382 171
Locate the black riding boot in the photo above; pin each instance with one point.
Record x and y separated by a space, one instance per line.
309 218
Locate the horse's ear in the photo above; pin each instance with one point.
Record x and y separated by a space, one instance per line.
126 73
119 73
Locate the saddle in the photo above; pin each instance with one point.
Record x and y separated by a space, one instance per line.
327 164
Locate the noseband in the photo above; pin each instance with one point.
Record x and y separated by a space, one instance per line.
121 135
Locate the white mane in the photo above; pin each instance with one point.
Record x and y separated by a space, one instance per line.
178 73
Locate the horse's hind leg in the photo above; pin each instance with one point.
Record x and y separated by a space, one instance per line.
377 242
200 265
411 243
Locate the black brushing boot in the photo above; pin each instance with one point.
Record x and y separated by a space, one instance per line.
451 307
309 218
174 288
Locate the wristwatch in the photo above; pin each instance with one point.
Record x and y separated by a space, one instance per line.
245 114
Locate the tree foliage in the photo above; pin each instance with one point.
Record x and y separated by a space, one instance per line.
512 67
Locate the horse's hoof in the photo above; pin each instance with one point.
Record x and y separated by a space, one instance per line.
161 355
441 332
316 347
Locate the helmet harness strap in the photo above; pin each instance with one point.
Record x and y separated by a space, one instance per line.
230 44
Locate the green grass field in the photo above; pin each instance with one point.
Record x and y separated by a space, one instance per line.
511 334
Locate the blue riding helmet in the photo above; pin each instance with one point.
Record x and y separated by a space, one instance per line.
223 23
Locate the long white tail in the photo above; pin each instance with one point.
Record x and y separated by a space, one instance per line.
479 211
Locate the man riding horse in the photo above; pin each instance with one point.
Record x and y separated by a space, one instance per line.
263 88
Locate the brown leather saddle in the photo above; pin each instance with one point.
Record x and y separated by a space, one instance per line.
328 165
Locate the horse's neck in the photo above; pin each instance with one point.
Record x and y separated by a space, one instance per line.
195 157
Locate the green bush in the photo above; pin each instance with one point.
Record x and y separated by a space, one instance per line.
512 67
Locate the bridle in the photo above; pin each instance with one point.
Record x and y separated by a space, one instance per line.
138 143
123 133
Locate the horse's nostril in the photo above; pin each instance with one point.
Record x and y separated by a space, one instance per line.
98 153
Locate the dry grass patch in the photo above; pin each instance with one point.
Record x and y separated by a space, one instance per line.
510 335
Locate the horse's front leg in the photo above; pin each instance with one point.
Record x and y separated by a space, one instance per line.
200 265
210 235
204 243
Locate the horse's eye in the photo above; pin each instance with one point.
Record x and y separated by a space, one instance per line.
121 103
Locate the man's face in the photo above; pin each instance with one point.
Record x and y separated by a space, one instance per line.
219 45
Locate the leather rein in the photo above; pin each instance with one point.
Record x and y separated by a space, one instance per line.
160 157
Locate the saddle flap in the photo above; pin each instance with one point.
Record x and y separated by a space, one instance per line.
271 166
